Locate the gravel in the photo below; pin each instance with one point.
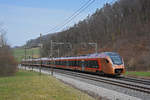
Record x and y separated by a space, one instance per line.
100 89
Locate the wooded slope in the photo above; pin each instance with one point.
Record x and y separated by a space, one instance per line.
122 27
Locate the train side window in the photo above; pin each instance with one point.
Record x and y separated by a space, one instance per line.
78 63
70 63
56 62
60 62
86 63
93 64
49 62
75 63
63 63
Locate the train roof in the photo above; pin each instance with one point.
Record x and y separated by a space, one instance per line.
95 55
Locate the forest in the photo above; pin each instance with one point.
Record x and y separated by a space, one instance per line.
121 27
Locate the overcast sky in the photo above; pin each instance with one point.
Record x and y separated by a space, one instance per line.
26 19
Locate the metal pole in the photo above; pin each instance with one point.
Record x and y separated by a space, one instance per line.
40 54
25 56
58 52
51 48
70 47
51 51
96 47
52 57
32 59
52 66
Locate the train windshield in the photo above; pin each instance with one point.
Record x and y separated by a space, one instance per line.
116 59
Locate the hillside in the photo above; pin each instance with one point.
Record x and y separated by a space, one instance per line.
19 53
121 27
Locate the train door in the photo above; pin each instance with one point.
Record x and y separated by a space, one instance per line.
107 66
82 65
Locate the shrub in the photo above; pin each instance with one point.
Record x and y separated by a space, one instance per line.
8 65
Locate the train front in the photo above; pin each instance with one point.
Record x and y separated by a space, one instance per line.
116 63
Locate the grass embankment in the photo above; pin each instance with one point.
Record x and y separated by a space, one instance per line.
19 53
27 85
138 74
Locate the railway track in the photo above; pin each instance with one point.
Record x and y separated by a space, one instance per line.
128 79
122 81
135 80
132 86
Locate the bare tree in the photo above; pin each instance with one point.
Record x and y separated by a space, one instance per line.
3 40
8 64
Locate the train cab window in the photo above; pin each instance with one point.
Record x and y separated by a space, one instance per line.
107 61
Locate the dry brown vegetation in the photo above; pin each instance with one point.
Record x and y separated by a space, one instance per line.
120 27
8 65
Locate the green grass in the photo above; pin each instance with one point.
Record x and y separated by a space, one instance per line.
19 53
146 74
27 85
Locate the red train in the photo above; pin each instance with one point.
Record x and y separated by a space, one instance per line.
103 63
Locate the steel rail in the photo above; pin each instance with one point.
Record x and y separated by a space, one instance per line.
108 81
135 80
105 80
